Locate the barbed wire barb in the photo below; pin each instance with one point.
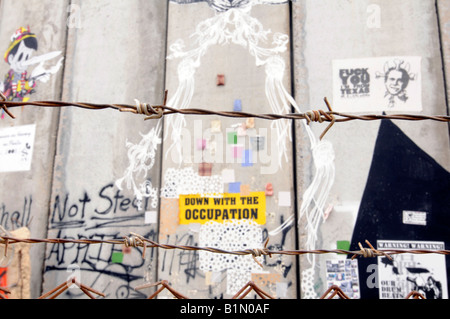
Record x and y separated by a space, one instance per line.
372 252
5 291
415 295
164 285
332 291
249 287
55 292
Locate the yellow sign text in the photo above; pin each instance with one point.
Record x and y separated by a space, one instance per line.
201 209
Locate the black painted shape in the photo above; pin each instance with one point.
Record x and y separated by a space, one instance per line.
402 177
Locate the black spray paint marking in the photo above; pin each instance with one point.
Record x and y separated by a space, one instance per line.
11 219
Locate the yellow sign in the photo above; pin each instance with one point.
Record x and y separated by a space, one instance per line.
201 209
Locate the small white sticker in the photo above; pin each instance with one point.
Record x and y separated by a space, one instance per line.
228 176
284 199
150 217
414 218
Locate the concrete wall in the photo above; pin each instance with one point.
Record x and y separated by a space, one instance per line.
119 51
443 13
126 62
26 195
351 33
245 80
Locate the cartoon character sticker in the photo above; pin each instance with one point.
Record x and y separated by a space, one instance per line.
18 85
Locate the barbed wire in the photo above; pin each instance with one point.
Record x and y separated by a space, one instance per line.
159 111
136 241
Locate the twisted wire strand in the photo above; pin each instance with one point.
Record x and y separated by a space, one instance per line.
319 116
139 241
159 111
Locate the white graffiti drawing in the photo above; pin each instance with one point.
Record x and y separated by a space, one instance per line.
142 158
236 26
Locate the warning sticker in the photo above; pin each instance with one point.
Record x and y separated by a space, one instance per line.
201 209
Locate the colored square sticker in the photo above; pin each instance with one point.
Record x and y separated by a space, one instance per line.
117 257
237 106
247 159
205 169
237 151
234 188
343 245
216 126
201 144
232 138
245 190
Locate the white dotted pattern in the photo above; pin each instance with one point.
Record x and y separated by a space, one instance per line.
234 235
187 182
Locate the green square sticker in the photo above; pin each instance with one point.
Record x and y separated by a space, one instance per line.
343 245
232 138
117 257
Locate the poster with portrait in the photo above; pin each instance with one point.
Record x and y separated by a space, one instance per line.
424 273
381 84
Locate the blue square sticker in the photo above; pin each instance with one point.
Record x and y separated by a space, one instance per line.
234 188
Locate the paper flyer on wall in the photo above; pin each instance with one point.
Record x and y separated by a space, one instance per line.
16 148
377 84
424 273
344 274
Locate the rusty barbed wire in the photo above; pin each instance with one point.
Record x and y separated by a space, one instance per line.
248 288
66 285
164 285
334 291
159 111
138 241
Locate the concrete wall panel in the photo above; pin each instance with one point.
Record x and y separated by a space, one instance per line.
329 30
105 174
444 28
209 38
115 55
26 195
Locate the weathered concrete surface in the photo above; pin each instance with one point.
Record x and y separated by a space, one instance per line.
444 27
328 30
26 195
246 81
115 54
